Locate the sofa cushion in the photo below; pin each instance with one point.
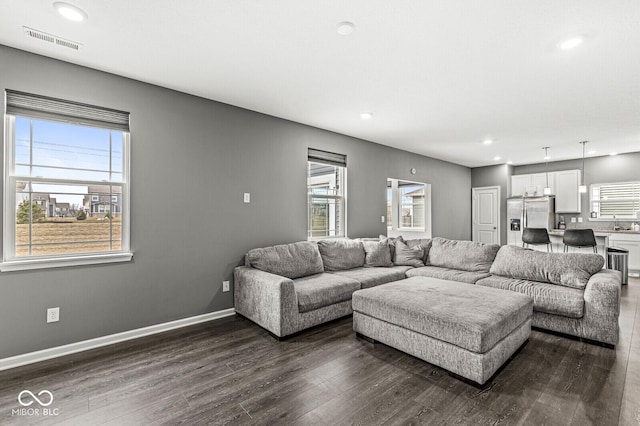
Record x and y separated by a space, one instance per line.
408 256
288 260
341 254
371 277
447 274
548 298
392 245
463 255
377 253
425 243
567 269
320 290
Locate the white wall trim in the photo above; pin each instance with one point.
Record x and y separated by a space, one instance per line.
45 354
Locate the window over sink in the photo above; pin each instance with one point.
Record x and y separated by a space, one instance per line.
619 200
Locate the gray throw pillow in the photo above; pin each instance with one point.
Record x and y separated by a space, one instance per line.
468 256
392 245
377 253
341 254
426 245
408 256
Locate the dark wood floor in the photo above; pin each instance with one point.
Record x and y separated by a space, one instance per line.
232 372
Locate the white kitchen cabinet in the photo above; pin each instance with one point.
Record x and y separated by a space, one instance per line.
530 185
630 242
566 190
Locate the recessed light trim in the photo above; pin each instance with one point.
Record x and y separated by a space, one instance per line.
497 158
71 12
487 142
366 115
345 28
613 153
570 43
593 151
509 162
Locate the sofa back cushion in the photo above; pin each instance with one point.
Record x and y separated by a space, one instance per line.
377 253
567 269
288 260
463 255
338 255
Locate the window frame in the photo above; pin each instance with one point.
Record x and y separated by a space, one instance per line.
394 206
341 231
10 262
592 201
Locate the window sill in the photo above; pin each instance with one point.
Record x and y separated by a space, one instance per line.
32 264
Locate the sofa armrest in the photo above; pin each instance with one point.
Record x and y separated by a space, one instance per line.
602 306
267 299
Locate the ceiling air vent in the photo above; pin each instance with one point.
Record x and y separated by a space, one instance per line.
50 38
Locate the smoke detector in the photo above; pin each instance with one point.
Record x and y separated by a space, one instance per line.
50 38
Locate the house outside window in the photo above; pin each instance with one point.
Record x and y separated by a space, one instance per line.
619 200
326 193
62 157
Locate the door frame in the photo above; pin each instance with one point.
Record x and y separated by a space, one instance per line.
474 207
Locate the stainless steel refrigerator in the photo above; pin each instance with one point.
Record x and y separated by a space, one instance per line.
529 212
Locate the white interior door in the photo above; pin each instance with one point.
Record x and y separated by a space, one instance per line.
485 207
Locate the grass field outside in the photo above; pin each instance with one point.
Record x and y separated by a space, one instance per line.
68 235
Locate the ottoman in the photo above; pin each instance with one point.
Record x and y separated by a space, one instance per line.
468 330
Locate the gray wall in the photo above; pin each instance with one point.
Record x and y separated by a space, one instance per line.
192 159
499 175
618 168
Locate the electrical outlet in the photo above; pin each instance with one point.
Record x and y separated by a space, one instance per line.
247 197
573 220
53 315
580 220
225 285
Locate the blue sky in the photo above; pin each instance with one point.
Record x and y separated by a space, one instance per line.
66 151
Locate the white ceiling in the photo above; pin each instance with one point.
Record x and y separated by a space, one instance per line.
439 76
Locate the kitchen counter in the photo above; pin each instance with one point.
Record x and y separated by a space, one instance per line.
597 232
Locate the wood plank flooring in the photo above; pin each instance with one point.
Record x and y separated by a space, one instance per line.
230 371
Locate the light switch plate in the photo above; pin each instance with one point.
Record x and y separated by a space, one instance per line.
247 197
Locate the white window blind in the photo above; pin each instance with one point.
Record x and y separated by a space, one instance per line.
621 199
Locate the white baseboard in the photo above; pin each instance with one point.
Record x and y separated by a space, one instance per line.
31 357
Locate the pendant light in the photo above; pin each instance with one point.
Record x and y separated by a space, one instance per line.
547 188
583 188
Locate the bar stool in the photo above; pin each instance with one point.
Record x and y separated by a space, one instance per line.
579 238
536 236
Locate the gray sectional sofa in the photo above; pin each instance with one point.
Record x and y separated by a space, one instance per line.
288 288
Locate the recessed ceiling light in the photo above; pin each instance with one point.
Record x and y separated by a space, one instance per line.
345 28
487 142
366 115
570 43
71 12
613 153
497 158
509 162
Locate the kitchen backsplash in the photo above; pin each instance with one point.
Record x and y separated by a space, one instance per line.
598 225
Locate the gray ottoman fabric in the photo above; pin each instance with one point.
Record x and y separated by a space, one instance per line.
470 365
473 318
466 329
